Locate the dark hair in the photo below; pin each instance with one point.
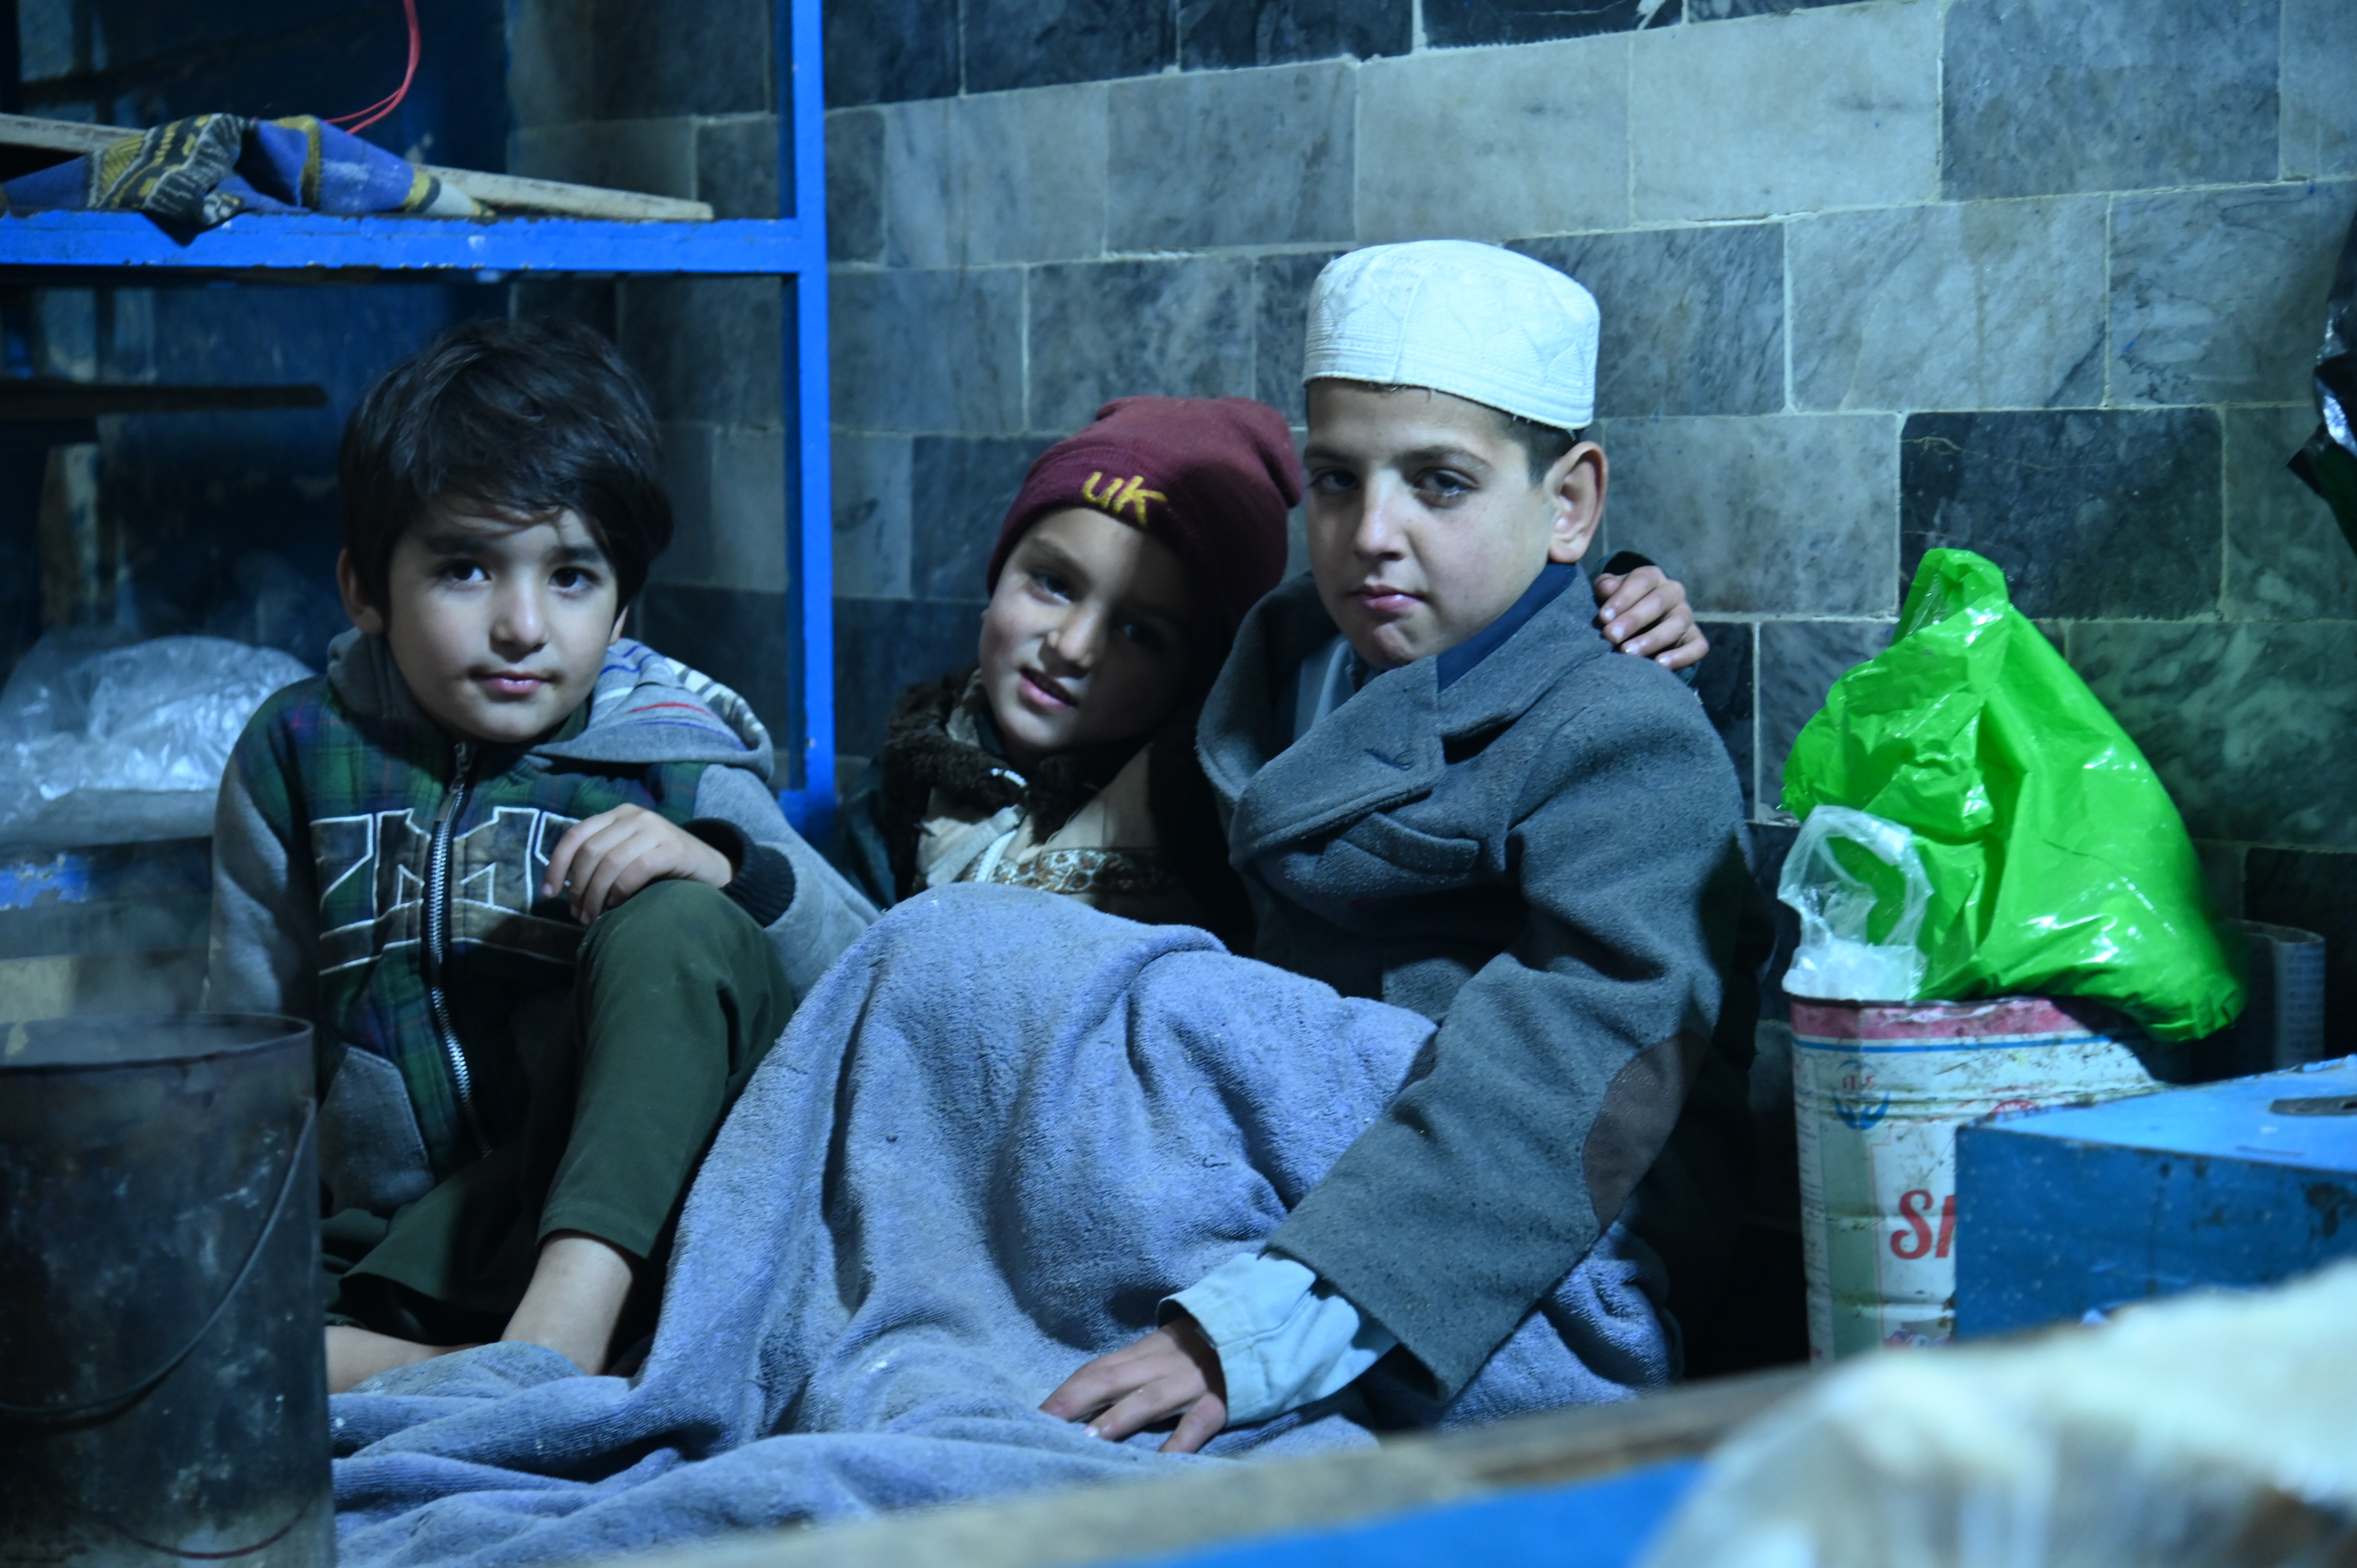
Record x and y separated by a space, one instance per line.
523 418
1543 444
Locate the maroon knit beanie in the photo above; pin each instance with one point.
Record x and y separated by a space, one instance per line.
1211 478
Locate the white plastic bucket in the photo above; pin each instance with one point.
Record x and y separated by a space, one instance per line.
1878 1089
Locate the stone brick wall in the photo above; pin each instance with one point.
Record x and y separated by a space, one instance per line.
676 99
2041 278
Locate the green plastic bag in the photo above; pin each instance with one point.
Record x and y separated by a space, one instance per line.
2058 862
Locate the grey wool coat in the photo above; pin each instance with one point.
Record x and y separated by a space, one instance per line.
1547 858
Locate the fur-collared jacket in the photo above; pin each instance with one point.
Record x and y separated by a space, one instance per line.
1129 827
1545 855
381 879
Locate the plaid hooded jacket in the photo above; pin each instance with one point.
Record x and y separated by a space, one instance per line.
380 879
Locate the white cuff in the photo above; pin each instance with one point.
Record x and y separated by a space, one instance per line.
1285 1338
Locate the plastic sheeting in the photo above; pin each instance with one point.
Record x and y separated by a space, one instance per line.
105 743
1842 957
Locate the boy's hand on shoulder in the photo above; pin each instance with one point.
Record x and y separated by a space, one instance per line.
1645 613
608 857
1172 1371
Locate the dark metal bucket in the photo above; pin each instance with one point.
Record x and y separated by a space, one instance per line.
163 1379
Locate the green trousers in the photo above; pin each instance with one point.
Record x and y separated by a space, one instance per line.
677 996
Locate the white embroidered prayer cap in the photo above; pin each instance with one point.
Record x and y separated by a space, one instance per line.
1486 324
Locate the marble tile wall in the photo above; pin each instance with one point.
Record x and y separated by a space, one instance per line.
1693 318
873 502
1495 142
2215 294
1101 330
1963 304
1006 176
961 486
2041 278
1170 181
1788 514
2046 96
2284 558
2094 513
677 99
2244 721
2320 112
1280 309
1228 34
1786 114
954 336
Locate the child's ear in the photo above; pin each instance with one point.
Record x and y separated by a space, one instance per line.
365 616
621 620
1575 488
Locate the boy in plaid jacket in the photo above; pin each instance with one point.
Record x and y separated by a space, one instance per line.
524 875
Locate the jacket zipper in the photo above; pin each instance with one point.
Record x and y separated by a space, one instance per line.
437 944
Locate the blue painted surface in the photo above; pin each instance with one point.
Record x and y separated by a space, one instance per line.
2226 1121
60 879
2060 1213
165 869
303 244
1596 1524
809 796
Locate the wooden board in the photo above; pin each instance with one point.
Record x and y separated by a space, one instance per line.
509 191
37 400
1122 1520
523 194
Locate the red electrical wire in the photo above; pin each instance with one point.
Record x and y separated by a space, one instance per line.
387 105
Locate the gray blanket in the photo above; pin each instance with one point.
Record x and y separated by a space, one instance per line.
1002 1128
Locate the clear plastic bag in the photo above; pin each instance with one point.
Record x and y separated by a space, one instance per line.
105 743
1846 954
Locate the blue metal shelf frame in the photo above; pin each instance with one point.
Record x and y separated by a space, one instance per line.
291 247
131 251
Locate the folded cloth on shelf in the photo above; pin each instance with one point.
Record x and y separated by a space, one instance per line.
192 174
999 1131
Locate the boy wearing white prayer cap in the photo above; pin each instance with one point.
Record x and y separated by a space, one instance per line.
1442 792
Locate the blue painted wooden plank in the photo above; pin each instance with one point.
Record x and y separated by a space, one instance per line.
2230 1120
1605 1523
58 878
163 869
311 243
2061 1213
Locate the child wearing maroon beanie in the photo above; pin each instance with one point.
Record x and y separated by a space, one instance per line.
1065 759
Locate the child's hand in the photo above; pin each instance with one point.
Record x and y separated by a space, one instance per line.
611 855
1645 612
1171 1371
